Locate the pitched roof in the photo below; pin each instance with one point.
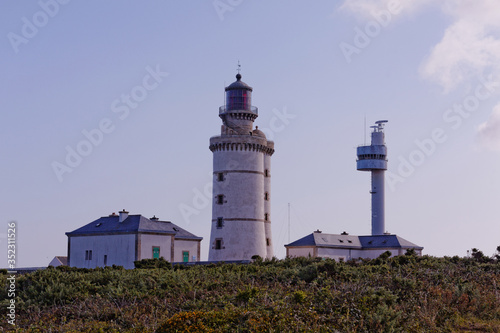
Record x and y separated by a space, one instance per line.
132 224
347 241
62 260
386 241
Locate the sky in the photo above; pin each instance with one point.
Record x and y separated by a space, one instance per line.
110 105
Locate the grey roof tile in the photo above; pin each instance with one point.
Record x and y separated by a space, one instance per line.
132 224
350 241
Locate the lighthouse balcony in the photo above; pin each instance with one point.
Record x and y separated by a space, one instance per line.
238 108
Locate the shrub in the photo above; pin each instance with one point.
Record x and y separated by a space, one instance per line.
152 263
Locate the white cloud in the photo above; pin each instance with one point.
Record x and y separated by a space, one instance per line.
488 133
470 47
366 8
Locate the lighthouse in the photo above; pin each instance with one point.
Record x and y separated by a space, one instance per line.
241 208
373 158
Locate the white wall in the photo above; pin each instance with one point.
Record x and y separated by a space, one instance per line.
337 254
344 254
147 241
120 250
267 206
300 252
243 234
185 245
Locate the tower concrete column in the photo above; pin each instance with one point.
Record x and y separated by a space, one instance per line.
378 199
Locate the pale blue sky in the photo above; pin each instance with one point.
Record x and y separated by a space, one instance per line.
411 69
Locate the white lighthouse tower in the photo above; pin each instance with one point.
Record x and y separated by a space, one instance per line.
374 158
241 209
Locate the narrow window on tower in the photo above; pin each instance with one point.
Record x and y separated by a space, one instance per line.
266 196
266 173
220 223
105 260
268 242
220 199
220 177
266 216
218 243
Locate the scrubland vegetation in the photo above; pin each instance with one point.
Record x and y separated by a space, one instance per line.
400 294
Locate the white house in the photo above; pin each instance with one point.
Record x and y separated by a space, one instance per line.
122 239
347 247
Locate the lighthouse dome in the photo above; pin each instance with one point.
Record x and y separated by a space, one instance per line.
238 84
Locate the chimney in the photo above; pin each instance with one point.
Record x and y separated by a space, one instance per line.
123 215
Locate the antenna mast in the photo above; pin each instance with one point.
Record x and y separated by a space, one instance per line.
364 130
288 222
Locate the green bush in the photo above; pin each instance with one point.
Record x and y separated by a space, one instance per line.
152 263
398 294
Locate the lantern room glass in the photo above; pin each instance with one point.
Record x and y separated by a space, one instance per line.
240 99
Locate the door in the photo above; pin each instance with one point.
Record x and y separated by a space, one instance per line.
185 256
156 252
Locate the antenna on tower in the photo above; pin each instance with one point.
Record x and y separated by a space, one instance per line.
239 67
364 131
288 222
380 124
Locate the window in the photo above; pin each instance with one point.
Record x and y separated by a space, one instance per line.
88 255
268 242
156 252
220 199
105 260
220 222
185 256
220 177
266 173
266 196
266 216
218 243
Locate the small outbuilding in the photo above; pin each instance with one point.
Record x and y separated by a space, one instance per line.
346 247
59 261
122 239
